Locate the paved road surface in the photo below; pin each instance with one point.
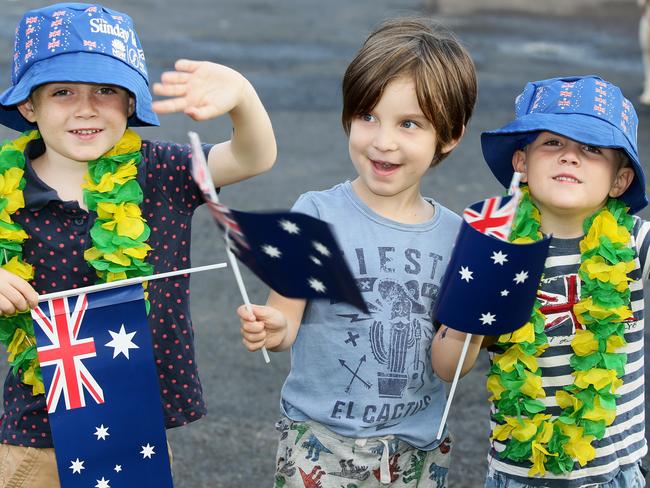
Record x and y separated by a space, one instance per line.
295 52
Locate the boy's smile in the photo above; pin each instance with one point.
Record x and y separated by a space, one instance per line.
569 180
393 146
78 121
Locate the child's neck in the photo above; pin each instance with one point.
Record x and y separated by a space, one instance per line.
563 226
407 207
63 175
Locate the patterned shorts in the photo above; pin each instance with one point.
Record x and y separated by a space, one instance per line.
311 456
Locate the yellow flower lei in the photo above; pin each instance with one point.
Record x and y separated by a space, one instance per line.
118 235
589 404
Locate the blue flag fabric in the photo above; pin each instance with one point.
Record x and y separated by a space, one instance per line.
103 397
295 254
490 284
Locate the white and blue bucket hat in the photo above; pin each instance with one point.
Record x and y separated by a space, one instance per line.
76 42
586 109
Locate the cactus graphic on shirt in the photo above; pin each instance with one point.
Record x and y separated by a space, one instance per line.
416 465
314 448
392 350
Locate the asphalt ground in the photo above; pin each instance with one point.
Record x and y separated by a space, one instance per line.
295 52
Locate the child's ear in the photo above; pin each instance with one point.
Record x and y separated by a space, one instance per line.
622 182
131 107
26 109
519 164
453 143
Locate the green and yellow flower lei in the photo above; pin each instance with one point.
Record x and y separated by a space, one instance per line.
118 235
589 404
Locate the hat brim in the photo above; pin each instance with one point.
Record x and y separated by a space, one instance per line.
77 67
498 146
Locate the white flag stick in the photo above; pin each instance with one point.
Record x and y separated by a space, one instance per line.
461 360
513 189
128 281
197 154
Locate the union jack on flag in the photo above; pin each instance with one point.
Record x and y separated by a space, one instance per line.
67 352
493 216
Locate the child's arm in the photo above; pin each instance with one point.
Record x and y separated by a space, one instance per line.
274 325
205 90
445 352
16 295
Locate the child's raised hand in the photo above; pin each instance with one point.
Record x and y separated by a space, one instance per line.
200 89
265 327
16 295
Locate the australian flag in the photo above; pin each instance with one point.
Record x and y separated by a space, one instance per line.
103 398
490 284
295 254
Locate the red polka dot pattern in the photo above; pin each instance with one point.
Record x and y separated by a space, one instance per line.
59 234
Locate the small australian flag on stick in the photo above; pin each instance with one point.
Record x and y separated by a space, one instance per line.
102 392
490 284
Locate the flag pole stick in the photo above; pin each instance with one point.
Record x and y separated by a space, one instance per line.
459 367
128 281
195 142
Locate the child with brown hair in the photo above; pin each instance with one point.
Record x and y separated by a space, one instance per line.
361 403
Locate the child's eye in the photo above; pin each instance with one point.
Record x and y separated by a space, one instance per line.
61 93
552 142
107 90
592 149
367 117
409 124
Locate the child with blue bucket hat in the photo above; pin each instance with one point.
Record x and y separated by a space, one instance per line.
567 404
83 199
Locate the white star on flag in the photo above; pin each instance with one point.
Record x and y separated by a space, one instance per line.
147 451
316 260
488 318
121 342
499 258
77 466
101 432
465 273
520 277
317 285
321 248
103 483
289 226
117 468
271 251
505 293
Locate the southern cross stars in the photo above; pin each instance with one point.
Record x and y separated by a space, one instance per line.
101 432
466 274
321 248
147 451
289 226
77 466
271 251
317 285
121 342
520 277
103 483
499 258
487 318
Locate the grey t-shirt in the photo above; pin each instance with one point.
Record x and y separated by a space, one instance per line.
370 375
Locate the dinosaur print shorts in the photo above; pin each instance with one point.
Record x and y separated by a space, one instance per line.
311 456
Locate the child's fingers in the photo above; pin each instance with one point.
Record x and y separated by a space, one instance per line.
29 297
170 105
244 314
188 65
170 89
175 77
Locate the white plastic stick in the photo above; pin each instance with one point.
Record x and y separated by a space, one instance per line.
197 153
128 281
461 360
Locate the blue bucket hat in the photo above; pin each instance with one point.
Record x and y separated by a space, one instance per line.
586 109
76 42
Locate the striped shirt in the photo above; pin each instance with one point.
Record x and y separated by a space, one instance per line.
624 441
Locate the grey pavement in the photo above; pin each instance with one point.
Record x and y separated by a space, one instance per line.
295 52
